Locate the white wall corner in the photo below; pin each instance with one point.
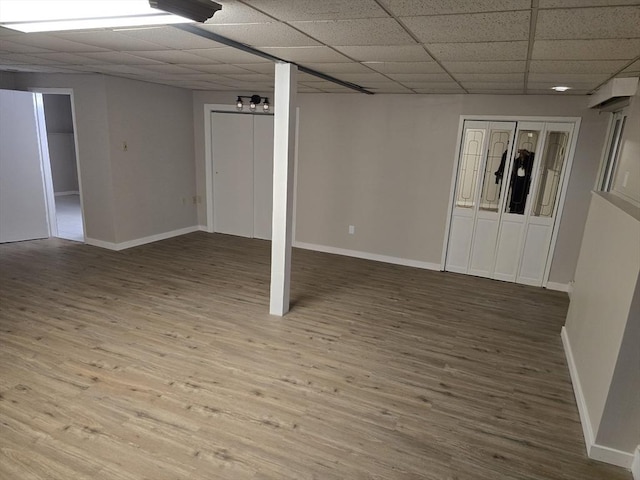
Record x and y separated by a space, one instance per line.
635 466
141 241
560 287
577 391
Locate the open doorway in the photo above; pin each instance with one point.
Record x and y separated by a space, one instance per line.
64 169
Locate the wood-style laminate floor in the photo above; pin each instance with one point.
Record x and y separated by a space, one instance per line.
161 362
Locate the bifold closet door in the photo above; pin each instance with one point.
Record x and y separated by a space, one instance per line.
232 151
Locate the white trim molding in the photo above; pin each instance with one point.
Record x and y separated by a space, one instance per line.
70 192
368 256
594 451
141 241
558 287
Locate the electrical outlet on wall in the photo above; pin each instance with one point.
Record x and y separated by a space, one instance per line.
352 229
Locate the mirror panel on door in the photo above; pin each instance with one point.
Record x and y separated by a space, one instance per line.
469 167
496 160
550 171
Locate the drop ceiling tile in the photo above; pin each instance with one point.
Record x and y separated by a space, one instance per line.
333 68
568 77
493 85
583 3
371 31
432 85
405 67
19 47
251 77
167 56
402 8
23 59
68 58
5 32
234 12
478 52
35 68
400 53
170 37
263 35
48 41
512 66
618 49
569 66
294 10
578 23
208 77
227 55
120 58
264 67
306 54
420 77
390 88
252 86
124 69
363 77
634 67
477 27
109 39
504 91
168 68
306 89
221 68
438 91
490 77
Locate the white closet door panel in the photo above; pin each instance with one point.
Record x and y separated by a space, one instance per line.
262 175
508 249
232 147
23 205
535 251
484 246
459 244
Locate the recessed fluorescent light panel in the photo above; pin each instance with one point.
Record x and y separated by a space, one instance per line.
560 88
49 16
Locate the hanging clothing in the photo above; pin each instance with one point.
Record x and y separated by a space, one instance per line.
520 179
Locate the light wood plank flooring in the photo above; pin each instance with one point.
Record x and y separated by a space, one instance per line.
161 362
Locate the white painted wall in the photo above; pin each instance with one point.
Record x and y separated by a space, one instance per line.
384 163
154 179
602 323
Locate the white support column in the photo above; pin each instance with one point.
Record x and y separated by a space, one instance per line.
283 163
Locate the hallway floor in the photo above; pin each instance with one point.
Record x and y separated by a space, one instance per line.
69 217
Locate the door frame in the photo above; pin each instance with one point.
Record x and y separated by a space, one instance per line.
565 181
66 91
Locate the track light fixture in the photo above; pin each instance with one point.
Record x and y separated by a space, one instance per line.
254 101
196 10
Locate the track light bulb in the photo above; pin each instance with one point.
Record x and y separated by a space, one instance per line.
266 105
239 104
252 106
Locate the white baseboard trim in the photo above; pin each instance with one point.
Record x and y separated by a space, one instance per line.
204 228
594 451
367 256
559 287
140 241
635 465
62 194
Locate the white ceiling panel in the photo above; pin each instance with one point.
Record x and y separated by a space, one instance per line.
504 91
618 22
42 42
169 37
293 10
125 69
403 8
490 77
264 67
570 78
634 67
221 68
400 53
166 68
619 49
438 90
583 3
478 27
371 31
493 85
436 85
21 58
335 68
121 58
486 67
387 87
16 47
109 40
575 66
264 35
167 56
419 77
227 55
489 51
306 54
405 67
363 77
251 77
69 58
